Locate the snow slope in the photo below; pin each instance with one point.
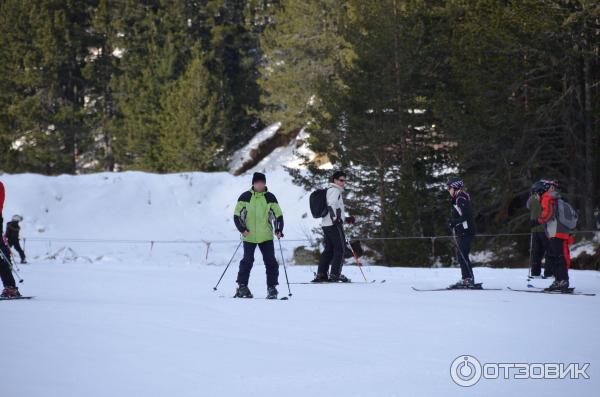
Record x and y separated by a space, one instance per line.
128 317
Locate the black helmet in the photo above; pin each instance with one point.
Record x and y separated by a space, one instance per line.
455 183
553 182
540 187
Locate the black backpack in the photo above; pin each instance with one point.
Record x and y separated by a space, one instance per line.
318 203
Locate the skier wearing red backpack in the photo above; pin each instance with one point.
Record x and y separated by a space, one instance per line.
558 233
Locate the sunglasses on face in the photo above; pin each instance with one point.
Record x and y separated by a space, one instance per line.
342 180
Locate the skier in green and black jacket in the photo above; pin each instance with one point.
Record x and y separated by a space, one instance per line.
258 217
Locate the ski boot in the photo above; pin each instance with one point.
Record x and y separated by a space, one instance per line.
559 286
10 292
272 293
320 278
243 291
339 279
464 283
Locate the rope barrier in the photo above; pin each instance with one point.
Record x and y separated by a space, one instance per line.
208 243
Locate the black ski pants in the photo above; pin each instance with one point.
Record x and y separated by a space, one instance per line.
333 254
463 243
267 249
5 267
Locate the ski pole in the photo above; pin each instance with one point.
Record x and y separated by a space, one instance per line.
284 268
356 260
530 255
18 276
14 262
353 253
227 267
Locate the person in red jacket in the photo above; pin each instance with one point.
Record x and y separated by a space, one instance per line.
558 235
1 207
8 281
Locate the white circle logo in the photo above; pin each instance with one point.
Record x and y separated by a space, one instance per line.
465 371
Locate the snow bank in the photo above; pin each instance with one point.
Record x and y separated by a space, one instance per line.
134 206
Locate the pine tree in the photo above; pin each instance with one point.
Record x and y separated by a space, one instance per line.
189 137
378 123
44 47
304 49
100 72
516 93
156 50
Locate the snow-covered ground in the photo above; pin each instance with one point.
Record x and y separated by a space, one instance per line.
129 317
158 329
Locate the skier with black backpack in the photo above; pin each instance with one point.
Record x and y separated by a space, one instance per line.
559 219
328 204
463 229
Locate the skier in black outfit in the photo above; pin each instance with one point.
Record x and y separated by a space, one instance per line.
462 227
12 236
8 281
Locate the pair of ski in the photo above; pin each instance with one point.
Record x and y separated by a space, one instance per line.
328 282
479 287
475 287
568 291
284 298
16 298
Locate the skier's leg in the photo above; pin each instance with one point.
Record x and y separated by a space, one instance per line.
565 260
246 263
557 258
5 270
464 248
271 266
543 241
537 253
339 246
327 254
19 249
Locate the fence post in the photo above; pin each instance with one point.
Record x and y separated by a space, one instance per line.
207 249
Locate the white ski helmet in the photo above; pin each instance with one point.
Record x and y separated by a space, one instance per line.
17 218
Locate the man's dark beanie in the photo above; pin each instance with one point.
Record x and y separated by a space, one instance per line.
258 177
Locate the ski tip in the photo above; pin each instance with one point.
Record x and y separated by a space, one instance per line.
285 298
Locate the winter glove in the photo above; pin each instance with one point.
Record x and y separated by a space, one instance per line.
451 226
533 223
350 220
279 233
